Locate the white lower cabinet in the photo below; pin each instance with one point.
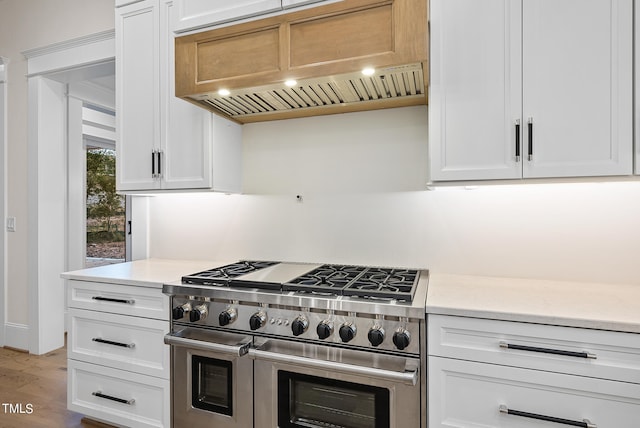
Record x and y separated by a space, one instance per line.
130 343
118 365
118 397
468 394
503 374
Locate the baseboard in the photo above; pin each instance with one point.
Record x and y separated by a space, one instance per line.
16 336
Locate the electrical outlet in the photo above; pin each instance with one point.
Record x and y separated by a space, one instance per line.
11 224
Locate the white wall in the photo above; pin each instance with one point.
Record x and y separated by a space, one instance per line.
24 25
363 177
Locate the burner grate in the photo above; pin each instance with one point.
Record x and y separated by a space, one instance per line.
384 283
326 279
357 281
220 276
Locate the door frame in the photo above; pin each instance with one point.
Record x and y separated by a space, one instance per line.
3 195
49 69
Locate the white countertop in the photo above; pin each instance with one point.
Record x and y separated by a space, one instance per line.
143 273
576 304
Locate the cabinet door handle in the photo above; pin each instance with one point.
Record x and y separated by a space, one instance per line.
109 299
112 398
111 342
549 351
159 153
530 129
153 164
585 423
517 140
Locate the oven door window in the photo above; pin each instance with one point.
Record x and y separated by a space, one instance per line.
310 402
211 387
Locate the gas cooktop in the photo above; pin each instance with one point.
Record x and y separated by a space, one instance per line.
220 276
326 280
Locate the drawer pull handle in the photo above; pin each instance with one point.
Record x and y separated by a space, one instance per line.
549 351
109 299
112 398
111 342
585 423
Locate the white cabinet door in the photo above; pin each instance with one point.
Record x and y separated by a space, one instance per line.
137 94
577 87
563 65
475 80
466 394
186 129
193 14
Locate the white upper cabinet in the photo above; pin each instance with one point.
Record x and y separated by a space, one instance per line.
474 85
530 88
137 95
164 142
577 87
195 14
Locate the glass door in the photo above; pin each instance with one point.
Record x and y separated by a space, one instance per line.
311 401
212 385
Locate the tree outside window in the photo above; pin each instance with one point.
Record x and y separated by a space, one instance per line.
105 209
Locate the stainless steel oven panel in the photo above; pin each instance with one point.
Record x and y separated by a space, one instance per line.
399 375
221 347
279 320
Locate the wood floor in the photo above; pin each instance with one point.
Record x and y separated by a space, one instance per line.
41 382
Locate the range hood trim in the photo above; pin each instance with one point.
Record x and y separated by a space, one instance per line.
387 87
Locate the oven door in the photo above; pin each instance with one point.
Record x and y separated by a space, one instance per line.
211 379
307 385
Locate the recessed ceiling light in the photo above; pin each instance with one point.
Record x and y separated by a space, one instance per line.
224 92
368 71
290 83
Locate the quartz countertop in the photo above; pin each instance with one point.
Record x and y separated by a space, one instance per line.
143 273
576 304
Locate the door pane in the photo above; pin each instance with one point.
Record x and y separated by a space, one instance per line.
211 385
310 401
105 210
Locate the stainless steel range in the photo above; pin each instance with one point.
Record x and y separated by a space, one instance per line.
268 344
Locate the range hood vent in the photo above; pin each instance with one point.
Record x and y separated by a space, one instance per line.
387 87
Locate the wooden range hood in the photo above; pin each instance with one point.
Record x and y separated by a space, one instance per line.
323 49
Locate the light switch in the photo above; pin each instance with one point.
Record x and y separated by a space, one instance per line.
11 224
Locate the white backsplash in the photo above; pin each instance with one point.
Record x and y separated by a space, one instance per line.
378 211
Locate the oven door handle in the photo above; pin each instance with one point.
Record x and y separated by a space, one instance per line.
238 350
407 377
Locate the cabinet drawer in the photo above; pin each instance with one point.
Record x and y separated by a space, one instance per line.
116 396
119 341
594 353
120 299
467 394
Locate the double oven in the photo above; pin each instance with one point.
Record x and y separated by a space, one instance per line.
258 344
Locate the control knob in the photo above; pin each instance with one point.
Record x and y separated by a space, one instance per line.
257 320
324 329
198 313
347 332
401 338
376 335
299 325
227 317
179 311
